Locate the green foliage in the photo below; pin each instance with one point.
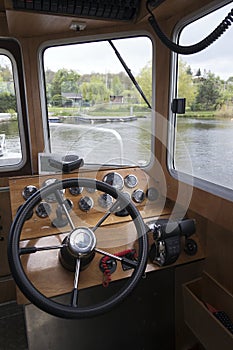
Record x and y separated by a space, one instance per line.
208 94
7 102
64 80
57 100
186 86
145 81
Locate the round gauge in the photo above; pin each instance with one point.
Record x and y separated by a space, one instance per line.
68 204
91 189
152 194
75 191
131 181
51 198
115 180
28 191
85 203
138 196
105 200
43 210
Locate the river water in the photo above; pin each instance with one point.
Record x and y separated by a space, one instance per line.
209 145
203 148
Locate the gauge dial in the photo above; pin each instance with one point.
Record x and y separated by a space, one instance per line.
43 210
105 200
152 194
86 203
68 204
28 191
75 191
131 181
91 189
115 180
138 196
51 198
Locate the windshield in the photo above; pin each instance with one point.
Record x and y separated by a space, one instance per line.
94 108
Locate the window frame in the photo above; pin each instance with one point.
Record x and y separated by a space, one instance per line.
90 39
11 49
206 185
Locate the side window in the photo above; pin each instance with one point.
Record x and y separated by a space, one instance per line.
10 115
204 134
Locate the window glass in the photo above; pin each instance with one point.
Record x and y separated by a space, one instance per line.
94 109
10 143
205 79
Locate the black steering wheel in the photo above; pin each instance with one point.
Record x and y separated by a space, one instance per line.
79 245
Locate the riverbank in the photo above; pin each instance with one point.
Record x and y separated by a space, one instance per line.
208 115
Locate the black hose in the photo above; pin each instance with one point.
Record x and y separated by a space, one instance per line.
201 45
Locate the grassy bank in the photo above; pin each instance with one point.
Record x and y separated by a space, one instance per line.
101 110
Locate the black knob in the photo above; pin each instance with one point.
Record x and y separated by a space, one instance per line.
190 247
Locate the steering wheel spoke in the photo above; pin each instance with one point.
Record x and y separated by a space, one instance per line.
31 250
131 263
74 296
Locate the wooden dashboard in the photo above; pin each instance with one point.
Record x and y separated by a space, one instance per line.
116 234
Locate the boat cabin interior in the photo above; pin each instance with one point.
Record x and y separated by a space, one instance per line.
116 192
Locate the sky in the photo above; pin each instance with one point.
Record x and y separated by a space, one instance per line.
137 52
100 57
219 56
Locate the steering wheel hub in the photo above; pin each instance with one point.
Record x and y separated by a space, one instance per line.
81 242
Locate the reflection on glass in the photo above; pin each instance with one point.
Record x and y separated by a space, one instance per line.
94 109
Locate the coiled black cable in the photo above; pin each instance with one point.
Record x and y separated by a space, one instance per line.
201 45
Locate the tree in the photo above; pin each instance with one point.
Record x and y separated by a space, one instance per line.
209 93
64 81
94 91
7 101
144 79
186 87
198 74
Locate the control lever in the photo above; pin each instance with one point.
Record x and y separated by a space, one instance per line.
67 164
167 240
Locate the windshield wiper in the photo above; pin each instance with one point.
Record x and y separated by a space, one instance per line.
128 71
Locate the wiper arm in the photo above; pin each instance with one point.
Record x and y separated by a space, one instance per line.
128 71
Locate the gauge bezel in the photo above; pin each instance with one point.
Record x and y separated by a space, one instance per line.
26 188
47 211
89 199
127 183
114 174
134 196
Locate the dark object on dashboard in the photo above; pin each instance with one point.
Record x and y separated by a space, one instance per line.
167 240
67 164
109 9
190 247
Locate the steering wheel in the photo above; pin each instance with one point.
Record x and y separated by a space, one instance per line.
79 245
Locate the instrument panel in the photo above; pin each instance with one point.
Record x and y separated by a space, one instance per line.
47 225
85 204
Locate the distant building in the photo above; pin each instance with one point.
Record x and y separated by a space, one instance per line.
71 99
116 99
